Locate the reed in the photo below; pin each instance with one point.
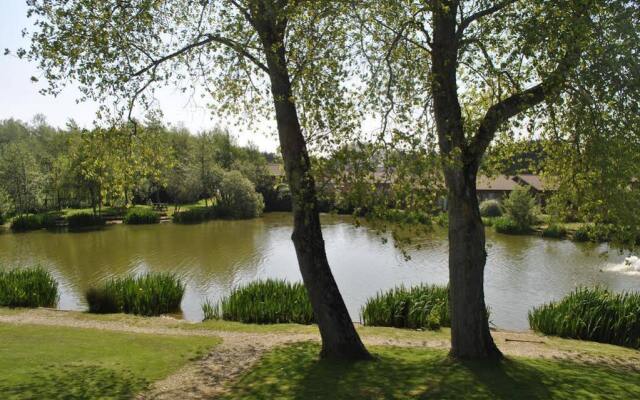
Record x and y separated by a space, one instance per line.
423 306
595 314
264 302
30 287
141 216
33 222
556 231
84 220
150 294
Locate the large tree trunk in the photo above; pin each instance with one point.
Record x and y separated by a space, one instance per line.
339 337
470 336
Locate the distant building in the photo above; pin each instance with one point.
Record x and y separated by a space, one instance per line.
499 186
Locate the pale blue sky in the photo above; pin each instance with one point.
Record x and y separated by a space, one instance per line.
19 97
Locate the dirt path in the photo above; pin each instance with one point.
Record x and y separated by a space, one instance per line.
207 377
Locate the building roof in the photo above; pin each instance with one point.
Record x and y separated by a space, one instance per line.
536 181
275 169
497 183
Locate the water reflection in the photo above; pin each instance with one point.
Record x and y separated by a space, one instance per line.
211 258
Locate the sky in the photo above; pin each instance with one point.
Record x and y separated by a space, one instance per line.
19 97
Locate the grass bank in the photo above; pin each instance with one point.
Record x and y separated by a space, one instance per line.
294 372
44 362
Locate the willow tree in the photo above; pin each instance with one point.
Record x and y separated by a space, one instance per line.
245 57
466 71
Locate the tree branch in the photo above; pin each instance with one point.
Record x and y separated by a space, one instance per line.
208 38
502 111
464 24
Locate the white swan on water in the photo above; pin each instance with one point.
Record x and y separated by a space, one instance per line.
632 263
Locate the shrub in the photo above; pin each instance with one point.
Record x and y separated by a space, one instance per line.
141 216
581 234
490 208
424 306
442 219
592 314
238 197
150 294
31 287
264 302
506 225
554 231
32 222
486 221
194 215
84 220
520 207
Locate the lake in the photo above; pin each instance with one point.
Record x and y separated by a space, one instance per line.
214 257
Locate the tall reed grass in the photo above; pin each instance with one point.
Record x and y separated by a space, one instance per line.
84 220
264 302
151 294
424 306
33 222
30 287
595 314
141 216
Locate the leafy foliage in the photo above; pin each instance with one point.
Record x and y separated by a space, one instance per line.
82 220
31 222
592 314
30 287
490 208
506 225
424 306
264 302
238 197
140 216
151 294
520 208
554 231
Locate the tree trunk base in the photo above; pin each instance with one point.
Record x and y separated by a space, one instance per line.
349 352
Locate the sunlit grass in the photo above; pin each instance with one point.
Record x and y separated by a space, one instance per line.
41 362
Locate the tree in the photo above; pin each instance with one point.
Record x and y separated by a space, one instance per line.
238 196
244 48
463 71
520 207
20 176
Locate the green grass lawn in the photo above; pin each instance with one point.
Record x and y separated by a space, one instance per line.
294 372
40 362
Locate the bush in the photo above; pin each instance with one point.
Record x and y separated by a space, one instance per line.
490 208
238 197
581 234
264 302
506 225
151 294
84 220
486 221
520 207
31 287
442 219
33 222
141 216
194 215
554 231
591 314
424 306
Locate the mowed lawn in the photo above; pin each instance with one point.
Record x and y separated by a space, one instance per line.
294 372
42 362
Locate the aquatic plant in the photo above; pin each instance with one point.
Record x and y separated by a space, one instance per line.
423 306
264 302
84 220
490 208
581 234
150 294
595 314
194 215
554 231
506 225
29 287
141 216
32 222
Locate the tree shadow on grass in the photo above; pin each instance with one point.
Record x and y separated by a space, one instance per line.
72 382
295 372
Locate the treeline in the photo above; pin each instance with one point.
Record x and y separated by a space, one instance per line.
43 168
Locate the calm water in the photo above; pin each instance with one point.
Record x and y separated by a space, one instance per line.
522 271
